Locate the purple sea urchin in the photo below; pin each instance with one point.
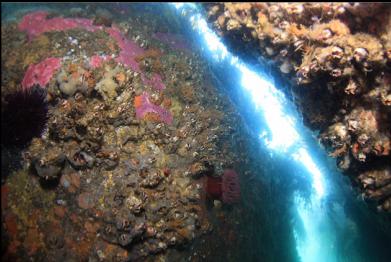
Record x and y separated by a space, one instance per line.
23 117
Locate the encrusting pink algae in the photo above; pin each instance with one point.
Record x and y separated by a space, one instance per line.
148 107
41 73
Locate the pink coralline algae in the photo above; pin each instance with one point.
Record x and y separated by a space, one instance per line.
230 187
173 40
155 81
127 56
129 49
97 60
41 73
36 24
148 107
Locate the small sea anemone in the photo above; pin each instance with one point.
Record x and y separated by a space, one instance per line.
213 187
225 188
230 187
23 117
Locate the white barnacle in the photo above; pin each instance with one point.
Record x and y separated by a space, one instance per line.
361 157
337 52
360 54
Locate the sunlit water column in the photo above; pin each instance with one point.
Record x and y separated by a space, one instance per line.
315 235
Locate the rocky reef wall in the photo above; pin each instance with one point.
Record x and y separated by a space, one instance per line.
111 129
336 59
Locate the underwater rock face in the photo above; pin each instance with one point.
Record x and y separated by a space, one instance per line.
121 138
175 41
336 57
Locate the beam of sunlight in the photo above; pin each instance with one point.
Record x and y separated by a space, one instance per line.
267 99
317 242
285 138
303 156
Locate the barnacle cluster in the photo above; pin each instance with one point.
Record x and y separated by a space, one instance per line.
336 57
